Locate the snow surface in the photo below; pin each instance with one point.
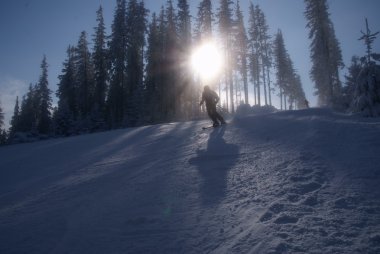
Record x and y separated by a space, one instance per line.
288 182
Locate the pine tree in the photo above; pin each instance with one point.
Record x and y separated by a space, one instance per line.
67 113
170 68
44 101
225 22
185 101
15 121
3 133
242 49
203 29
254 53
152 58
368 39
366 99
351 80
118 61
100 61
85 82
28 111
136 27
161 72
264 52
325 53
2 116
281 62
184 24
288 81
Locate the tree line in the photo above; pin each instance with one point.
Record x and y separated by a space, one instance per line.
138 74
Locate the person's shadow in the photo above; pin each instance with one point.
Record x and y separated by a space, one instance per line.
213 165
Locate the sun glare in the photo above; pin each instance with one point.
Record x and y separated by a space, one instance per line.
207 61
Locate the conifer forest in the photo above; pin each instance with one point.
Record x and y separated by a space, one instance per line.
140 72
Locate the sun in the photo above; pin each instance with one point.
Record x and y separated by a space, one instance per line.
207 61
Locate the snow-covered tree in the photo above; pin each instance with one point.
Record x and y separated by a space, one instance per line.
368 39
326 55
351 80
367 90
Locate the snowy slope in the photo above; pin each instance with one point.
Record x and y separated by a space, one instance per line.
289 182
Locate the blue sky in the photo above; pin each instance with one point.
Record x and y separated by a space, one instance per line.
31 28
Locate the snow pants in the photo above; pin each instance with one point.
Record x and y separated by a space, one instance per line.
213 114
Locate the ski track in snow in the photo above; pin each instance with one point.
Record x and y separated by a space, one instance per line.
290 182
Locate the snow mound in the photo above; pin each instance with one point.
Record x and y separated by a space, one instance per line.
246 109
287 182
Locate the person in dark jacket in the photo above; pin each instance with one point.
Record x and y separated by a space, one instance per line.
211 98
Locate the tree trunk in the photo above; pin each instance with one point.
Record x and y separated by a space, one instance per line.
265 86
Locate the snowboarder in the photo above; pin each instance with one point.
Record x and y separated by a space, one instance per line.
211 98
307 103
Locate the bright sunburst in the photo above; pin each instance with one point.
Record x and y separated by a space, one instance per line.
207 61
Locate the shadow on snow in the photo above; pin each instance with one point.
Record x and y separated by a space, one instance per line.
213 165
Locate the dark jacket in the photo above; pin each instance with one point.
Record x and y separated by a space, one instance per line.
210 97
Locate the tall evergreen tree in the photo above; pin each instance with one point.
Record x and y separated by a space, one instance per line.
326 55
254 52
100 61
184 24
171 91
368 39
226 23
288 81
351 79
118 66
241 41
15 121
264 53
203 28
2 115
3 133
84 78
281 62
152 80
67 86
185 101
68 103
44 101
136 21
366 98
28 116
